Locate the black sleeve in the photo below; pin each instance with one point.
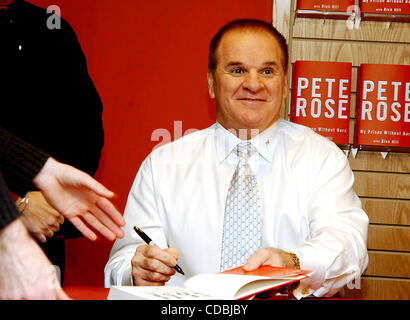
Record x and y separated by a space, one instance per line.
22 162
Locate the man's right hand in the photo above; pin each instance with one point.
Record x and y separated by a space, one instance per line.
152 266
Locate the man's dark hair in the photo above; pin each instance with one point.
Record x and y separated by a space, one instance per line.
247 24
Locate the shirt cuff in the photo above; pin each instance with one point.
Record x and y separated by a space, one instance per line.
313 260
118 273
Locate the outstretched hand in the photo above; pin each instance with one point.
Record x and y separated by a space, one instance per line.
77 196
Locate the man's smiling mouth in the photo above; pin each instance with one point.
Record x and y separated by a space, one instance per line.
251 99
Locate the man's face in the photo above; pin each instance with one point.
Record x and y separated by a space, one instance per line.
249 82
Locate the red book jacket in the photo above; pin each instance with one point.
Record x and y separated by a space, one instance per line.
321 98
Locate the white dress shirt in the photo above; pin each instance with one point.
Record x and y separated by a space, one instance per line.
309 207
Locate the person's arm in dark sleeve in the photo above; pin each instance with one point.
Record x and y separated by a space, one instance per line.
22 162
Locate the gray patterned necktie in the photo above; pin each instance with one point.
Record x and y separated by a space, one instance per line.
242 221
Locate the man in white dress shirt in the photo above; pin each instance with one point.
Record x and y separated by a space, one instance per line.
310 216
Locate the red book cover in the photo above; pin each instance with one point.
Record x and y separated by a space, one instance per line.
269 271
383 106
385 6
321 98
324 5
283 280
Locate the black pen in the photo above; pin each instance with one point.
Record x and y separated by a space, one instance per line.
149 241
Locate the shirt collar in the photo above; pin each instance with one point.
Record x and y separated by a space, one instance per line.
226 141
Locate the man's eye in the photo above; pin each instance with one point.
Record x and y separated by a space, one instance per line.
237 71
267 71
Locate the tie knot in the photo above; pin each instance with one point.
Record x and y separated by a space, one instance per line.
245 150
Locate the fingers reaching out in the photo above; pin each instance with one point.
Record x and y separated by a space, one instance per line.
80 198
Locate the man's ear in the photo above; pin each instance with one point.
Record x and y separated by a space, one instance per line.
211 84
285 86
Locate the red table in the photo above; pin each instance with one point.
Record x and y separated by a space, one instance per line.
87 293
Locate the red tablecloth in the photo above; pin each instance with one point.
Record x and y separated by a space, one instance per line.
87 293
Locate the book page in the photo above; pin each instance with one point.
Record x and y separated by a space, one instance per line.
230 285
155 293
235 286
257 286
223 286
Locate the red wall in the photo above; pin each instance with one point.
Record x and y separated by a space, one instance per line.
148 61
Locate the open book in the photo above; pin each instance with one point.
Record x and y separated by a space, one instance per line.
233 284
